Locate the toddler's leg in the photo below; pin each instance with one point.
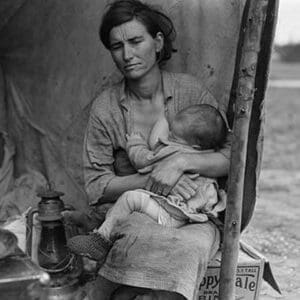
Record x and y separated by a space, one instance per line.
128 203
98 244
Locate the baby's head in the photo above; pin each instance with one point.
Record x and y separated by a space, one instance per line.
199 125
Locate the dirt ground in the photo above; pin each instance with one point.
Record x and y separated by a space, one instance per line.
275 227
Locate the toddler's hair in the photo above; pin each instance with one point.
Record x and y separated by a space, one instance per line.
200 125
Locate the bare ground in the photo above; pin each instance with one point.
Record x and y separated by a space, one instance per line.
275 227
275 231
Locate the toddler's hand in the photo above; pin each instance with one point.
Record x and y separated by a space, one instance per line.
185 187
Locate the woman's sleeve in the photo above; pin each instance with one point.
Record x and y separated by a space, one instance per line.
97 159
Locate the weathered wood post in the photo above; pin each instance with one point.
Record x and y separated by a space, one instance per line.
249 47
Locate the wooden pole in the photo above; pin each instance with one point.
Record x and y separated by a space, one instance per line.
3 112
251 32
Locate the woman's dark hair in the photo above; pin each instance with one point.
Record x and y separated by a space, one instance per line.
122 11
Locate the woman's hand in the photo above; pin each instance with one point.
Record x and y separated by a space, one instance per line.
165 175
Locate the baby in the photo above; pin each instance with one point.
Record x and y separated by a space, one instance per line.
197 128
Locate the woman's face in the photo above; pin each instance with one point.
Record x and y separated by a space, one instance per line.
133 49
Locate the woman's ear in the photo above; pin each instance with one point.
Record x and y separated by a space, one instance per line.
159 40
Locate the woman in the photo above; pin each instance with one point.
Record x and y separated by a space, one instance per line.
139 39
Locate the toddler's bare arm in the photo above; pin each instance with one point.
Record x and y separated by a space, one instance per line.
138 151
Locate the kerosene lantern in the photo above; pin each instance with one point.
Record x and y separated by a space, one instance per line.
52 254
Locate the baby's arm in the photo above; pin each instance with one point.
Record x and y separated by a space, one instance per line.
138 151
160 130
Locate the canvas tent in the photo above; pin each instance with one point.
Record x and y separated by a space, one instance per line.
53 66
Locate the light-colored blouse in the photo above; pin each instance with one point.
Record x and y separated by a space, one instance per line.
104 154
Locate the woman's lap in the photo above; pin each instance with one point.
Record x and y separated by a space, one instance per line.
106 290
166 267
128 293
